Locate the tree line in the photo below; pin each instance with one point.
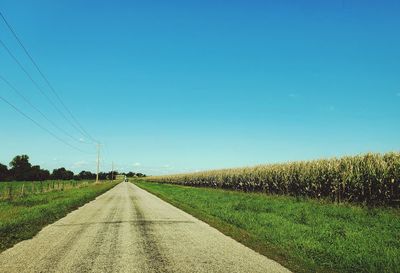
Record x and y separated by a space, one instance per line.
22 170
132 174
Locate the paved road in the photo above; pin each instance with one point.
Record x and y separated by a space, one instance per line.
129 230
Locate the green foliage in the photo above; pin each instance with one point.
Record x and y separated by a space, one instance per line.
13 190
305 235
62 174
4 174
369 178
23 216
22 170
132 174
85 175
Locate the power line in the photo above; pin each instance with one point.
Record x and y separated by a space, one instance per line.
38 86
98 163
107 153
12 87
40 126
45 78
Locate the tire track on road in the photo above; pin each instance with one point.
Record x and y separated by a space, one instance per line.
51 261
95 247
128 230
155 260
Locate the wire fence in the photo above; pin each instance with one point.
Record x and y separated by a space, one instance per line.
21 189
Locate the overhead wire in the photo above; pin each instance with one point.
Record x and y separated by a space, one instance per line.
40 126
82 129
38 86
106 153
23 97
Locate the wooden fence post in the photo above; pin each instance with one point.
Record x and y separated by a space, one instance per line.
10 192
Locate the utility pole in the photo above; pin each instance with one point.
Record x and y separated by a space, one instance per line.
98 162
112 172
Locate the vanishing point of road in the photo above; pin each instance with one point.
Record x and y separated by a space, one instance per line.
130 230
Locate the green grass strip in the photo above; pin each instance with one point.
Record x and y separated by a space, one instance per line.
24 217
302 234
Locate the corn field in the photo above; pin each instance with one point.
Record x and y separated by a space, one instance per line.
368 179
14 190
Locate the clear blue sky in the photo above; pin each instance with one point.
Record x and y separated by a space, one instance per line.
177 86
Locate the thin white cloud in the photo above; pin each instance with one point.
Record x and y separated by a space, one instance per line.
81 163
293 95
136 164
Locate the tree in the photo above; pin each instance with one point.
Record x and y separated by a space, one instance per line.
85 175
44 175
37 174
62 174
4 173
102 176
20 168
112 175
131 174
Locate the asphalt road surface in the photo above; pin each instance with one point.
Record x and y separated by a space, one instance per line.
130 230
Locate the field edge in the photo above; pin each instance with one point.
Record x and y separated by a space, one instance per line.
27 231
241 236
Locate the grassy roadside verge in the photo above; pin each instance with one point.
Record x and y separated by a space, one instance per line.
17 189
303 235
21 218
